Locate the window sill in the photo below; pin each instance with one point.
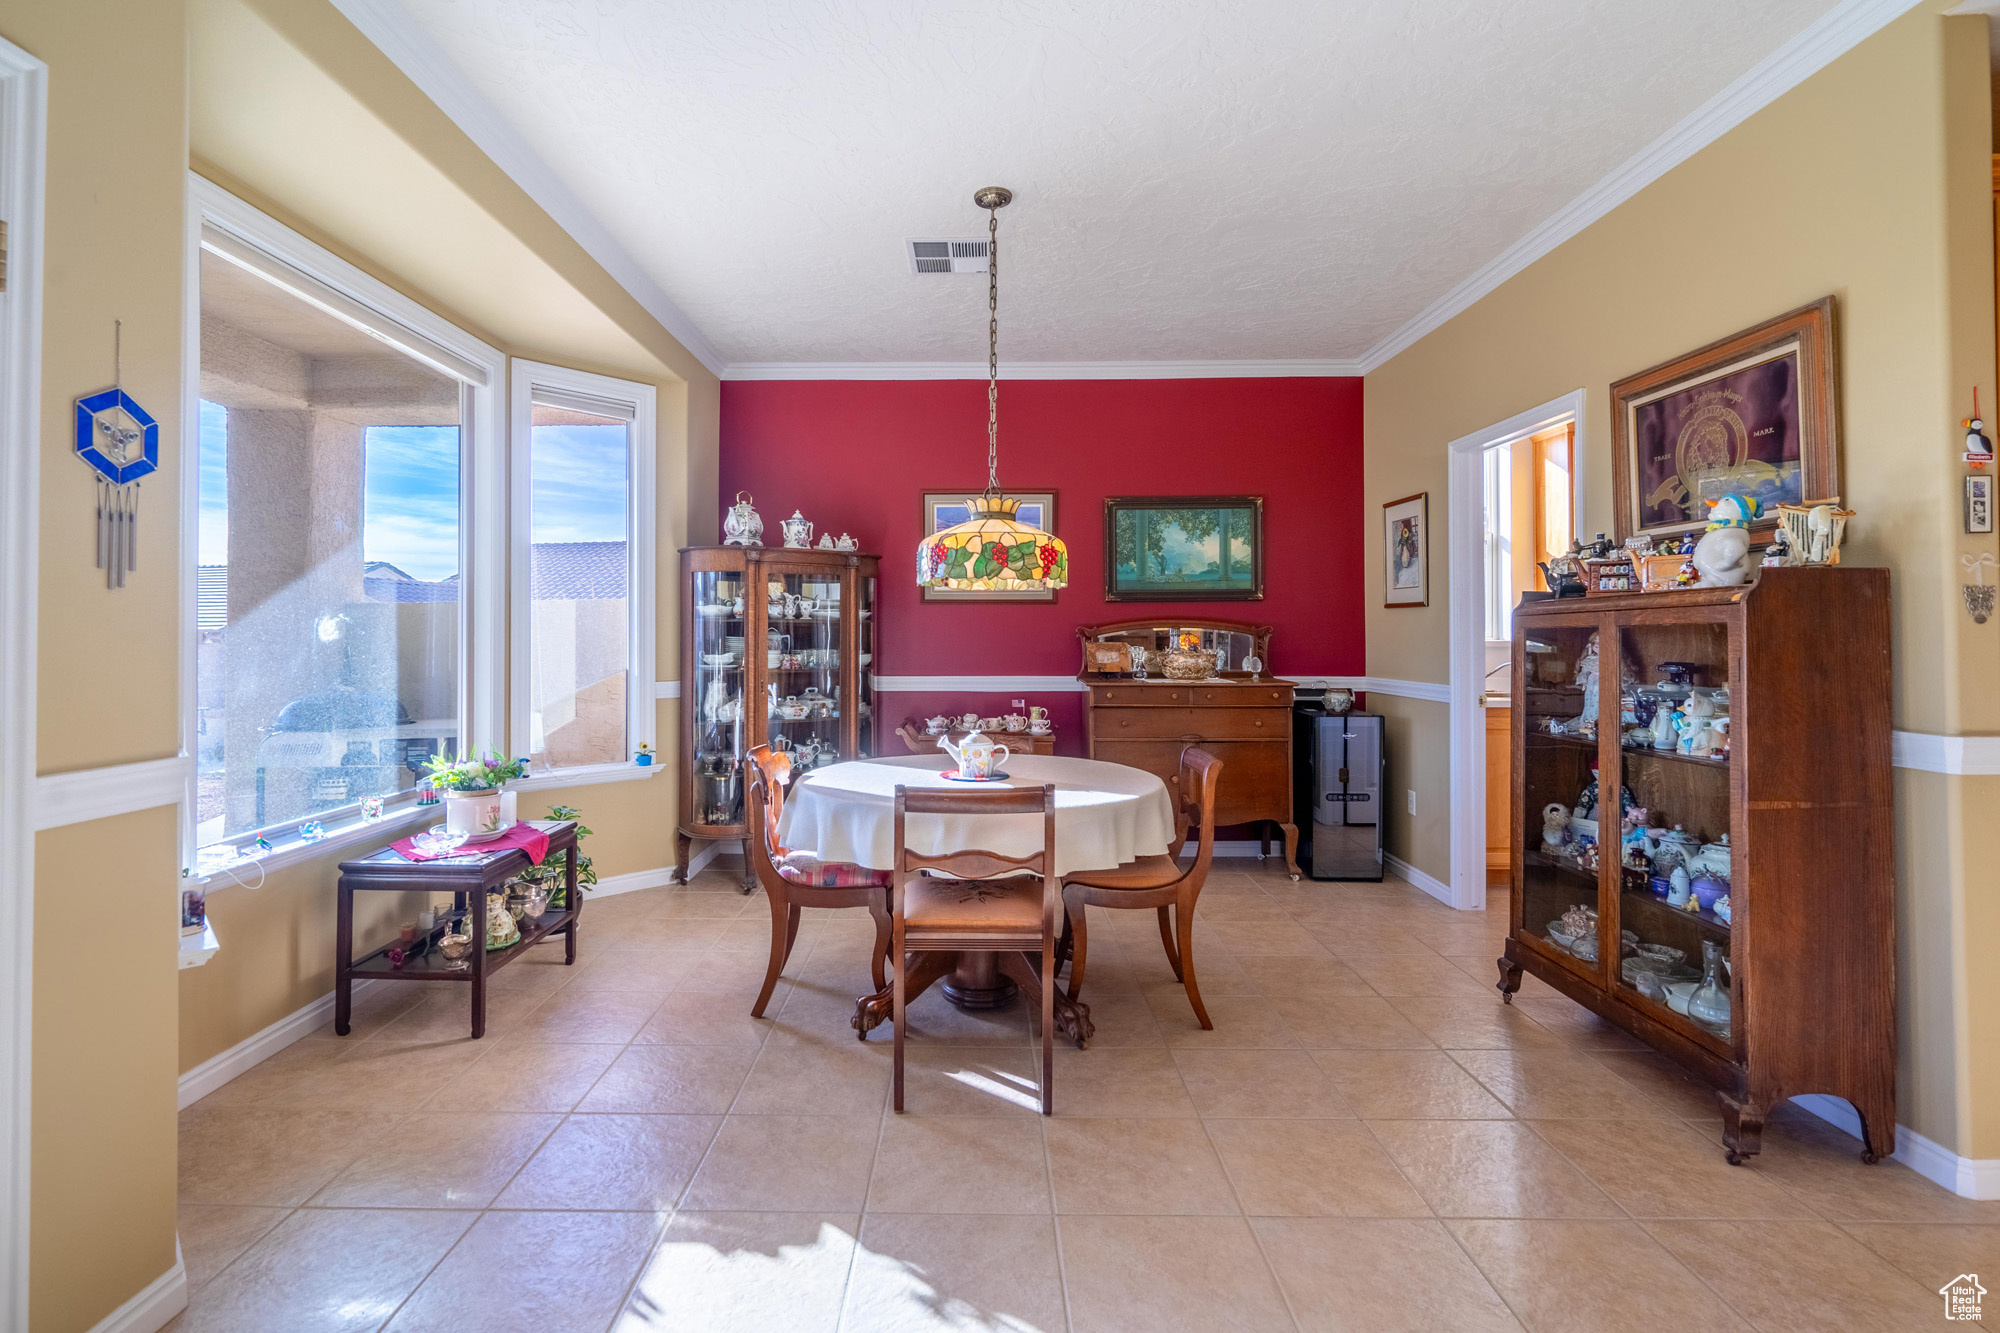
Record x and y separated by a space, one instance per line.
245 870
198 949
585 776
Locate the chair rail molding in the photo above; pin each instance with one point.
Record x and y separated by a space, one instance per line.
1960 756
100 793
23 149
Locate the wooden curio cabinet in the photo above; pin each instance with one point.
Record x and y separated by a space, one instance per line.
1793 820
778 648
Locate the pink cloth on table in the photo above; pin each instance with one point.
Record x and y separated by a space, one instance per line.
523 835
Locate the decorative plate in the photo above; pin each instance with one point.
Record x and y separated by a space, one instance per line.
488 836
953 775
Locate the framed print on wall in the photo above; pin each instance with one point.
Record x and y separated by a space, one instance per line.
1753 414
1184 548
943 509
1406 551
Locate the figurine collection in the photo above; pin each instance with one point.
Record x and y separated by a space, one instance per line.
1725 555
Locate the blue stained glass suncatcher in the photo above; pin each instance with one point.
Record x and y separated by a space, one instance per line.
118 438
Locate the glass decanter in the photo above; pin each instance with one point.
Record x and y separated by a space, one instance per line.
1708 1006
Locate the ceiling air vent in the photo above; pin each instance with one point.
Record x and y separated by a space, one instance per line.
948 256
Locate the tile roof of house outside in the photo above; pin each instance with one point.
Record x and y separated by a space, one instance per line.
563 572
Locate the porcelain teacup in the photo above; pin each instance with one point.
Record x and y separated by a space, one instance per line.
1015 722
968 721
937 726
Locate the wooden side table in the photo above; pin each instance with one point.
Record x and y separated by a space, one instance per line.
920 741
463 877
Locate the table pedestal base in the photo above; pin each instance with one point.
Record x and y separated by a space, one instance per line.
977 983
981 975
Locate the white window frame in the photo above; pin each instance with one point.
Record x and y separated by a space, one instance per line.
578 389
246 236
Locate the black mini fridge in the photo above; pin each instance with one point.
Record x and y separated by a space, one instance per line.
1337 797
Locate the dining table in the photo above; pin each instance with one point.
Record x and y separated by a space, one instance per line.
1106 815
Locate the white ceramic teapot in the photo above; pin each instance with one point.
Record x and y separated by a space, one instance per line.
798 530
742 525
977 756
937 726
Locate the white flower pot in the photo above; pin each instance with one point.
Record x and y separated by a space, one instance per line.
475 812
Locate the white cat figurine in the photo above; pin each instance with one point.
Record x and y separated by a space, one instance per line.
1722 556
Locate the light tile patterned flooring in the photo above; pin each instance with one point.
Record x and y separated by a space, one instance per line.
1367 1140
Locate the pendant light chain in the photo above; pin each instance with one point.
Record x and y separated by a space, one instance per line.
993 351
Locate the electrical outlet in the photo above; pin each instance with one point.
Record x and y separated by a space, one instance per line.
1410 799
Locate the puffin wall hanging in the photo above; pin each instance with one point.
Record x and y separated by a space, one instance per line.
120 442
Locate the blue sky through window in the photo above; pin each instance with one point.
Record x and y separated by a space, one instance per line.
409 505
410 491
579 483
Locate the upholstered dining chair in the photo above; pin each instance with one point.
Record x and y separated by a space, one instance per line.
1155 881
978 902
796 879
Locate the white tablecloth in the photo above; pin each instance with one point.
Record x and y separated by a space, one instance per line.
1106 814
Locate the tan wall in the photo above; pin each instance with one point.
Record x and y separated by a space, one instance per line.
102 1169
1869 181
296 113
113 1020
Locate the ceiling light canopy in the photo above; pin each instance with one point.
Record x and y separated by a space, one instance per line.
992 551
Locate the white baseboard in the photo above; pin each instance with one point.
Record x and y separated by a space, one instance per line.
1436 888
610 886
1969 1177
157 1302
253 1050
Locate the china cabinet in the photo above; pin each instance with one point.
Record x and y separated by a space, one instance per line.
777 647
1703 837
1145 718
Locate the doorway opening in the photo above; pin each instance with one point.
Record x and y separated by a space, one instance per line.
1514 500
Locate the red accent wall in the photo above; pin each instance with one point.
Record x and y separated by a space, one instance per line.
855 455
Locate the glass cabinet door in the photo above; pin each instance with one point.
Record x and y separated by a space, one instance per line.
803 657
720 612
1674 909
864 643
1560 903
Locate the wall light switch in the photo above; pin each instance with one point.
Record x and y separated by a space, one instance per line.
1411 801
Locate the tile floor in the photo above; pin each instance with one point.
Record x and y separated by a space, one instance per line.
1367 1140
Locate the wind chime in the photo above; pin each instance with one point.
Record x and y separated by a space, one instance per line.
120 442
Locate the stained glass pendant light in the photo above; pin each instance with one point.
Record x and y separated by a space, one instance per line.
992 551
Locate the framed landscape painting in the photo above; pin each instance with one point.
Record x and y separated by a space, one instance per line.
1753 414
1406 551
944 509
1184 548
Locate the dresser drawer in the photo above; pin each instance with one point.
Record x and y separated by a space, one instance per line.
1193 724
1141 696
1241 696
1256 778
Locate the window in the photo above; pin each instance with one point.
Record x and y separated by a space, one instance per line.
583 496
330 580
1498 465
1555 524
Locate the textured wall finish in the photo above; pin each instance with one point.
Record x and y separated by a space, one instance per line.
1192 180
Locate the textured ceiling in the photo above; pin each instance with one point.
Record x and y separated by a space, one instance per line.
1192 180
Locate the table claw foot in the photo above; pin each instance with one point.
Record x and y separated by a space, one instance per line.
871 1011
1073 1021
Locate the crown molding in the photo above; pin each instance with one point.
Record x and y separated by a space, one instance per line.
1835 33
410 49
1039 370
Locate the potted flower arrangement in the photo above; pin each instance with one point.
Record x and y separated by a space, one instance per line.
548 876
473 801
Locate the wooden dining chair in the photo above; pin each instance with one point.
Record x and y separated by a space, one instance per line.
980 902
1155 881
796 879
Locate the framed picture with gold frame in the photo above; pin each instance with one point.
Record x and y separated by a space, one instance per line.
1406 551
943 509
1753 414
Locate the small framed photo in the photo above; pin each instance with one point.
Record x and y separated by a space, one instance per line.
1979 504
1406 551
